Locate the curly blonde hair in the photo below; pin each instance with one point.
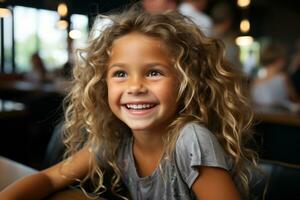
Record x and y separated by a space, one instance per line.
211 93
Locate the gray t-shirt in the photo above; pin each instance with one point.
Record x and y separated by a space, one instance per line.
173 179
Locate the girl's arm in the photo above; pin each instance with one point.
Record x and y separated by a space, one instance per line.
214 184
48 181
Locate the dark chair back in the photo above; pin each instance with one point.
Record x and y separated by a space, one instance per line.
55 148
283 180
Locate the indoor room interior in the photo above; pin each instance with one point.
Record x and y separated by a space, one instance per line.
38 43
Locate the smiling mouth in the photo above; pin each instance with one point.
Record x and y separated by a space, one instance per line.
139 106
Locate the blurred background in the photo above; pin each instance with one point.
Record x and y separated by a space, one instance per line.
38 39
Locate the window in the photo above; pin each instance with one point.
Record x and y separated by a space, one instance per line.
25 36
7 44
80 24
36 31
52 41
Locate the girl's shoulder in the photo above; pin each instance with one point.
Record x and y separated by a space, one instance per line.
197 146
191 127
197 134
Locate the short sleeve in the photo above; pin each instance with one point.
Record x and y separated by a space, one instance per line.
197 146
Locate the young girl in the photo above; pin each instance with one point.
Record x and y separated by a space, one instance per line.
153 102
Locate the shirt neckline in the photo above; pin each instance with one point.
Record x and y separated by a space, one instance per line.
146 178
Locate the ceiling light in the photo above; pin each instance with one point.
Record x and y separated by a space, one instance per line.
62 9
243 3
62 24
5 12
245 26
75 34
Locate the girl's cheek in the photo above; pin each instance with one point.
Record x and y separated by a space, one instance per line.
114 93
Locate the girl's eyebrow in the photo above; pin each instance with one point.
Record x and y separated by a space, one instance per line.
148 65
117 65
157 64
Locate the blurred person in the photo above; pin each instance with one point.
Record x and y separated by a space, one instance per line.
158 6
272 86
67 68
222 15
194 9
38 71
295 68
149 6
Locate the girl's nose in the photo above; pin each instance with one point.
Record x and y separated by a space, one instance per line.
136 86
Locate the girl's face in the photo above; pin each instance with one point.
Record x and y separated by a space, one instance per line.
142 85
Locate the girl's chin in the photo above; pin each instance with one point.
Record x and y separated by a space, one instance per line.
141 126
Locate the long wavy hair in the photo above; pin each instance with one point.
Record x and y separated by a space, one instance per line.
211 92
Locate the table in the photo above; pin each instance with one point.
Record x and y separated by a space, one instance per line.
277 134
22 86
11 171
276 115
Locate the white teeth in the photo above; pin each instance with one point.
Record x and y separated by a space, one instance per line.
139 106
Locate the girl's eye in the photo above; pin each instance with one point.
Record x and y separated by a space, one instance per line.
154 73
119 74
